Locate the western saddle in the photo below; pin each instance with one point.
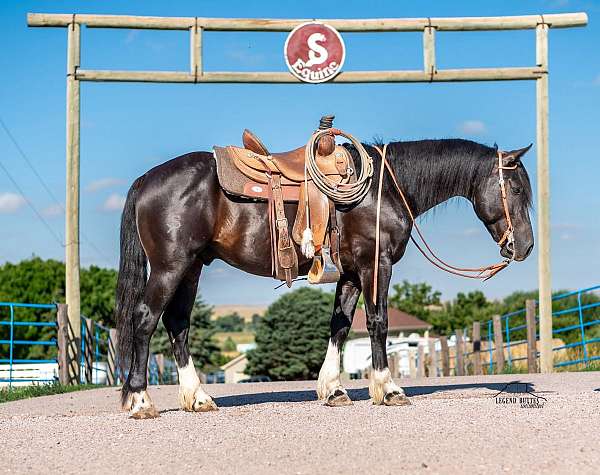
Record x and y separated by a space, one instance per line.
253 172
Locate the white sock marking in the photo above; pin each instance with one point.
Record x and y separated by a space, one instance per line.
329 376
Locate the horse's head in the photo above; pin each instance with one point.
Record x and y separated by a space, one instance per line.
502 201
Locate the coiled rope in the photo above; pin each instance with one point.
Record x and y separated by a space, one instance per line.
343 193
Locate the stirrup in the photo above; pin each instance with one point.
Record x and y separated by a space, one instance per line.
323 270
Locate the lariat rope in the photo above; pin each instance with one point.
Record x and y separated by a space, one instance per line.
343 193
482 273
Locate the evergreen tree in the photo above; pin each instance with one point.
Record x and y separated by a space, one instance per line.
292 336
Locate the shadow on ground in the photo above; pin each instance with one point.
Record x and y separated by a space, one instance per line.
362 394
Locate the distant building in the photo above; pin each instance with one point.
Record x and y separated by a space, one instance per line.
398 321
234 370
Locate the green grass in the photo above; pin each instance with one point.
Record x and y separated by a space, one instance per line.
592 366
36 390
510 369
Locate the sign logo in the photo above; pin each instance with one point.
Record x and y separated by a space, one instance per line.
519 394
314 52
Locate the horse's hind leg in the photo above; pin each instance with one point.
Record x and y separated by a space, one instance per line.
177 322
160 288
329 387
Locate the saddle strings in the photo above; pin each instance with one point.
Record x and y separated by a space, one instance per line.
483 273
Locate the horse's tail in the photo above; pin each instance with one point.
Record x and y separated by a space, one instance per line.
131 281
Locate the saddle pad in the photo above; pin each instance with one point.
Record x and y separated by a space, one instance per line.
234 182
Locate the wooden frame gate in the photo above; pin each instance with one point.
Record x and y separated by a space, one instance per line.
430 73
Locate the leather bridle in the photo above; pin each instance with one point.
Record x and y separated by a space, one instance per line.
483 273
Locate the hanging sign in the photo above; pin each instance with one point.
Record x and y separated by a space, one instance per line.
314 52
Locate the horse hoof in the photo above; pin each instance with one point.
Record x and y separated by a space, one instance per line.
396 399
145 413
206 406
338 398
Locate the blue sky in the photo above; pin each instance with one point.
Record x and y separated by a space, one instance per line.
128 128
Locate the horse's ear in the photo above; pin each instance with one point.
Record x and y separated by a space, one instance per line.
514 156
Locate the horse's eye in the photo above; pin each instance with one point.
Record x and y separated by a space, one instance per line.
515 190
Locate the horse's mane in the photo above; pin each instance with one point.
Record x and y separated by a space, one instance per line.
454 165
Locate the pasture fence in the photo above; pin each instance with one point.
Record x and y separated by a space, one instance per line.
509 342
38 346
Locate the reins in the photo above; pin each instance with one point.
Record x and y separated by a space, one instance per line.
482 273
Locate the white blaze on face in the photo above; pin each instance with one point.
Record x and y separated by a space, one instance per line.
317 53
329 376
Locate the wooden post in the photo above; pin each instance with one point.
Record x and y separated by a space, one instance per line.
432 358
531 337
477 368
62 319
88 355
196 51
429 51
72 187
498 344
421 362
391 364
445 356
160 364
412 363
543 202
68 354
459 370
112 357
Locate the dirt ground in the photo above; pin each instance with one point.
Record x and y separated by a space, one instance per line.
455 425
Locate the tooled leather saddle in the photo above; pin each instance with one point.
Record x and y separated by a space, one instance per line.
254 173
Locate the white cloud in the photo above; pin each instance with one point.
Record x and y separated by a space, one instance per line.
471 232
10 202
131 36
103 183
472 127
114 202
596 81
53 210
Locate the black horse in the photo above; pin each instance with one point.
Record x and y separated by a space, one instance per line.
178 219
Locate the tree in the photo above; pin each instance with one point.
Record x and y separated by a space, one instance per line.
229 345
291 338
462 312
203 348
37 280
415 299
230 323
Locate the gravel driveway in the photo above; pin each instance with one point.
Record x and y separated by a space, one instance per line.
454 425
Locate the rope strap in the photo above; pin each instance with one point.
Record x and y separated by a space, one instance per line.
482 273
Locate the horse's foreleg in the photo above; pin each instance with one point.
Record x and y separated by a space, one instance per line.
329 387
382 388
159 290
177 322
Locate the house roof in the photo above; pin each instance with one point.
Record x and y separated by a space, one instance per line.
397 321
238 359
